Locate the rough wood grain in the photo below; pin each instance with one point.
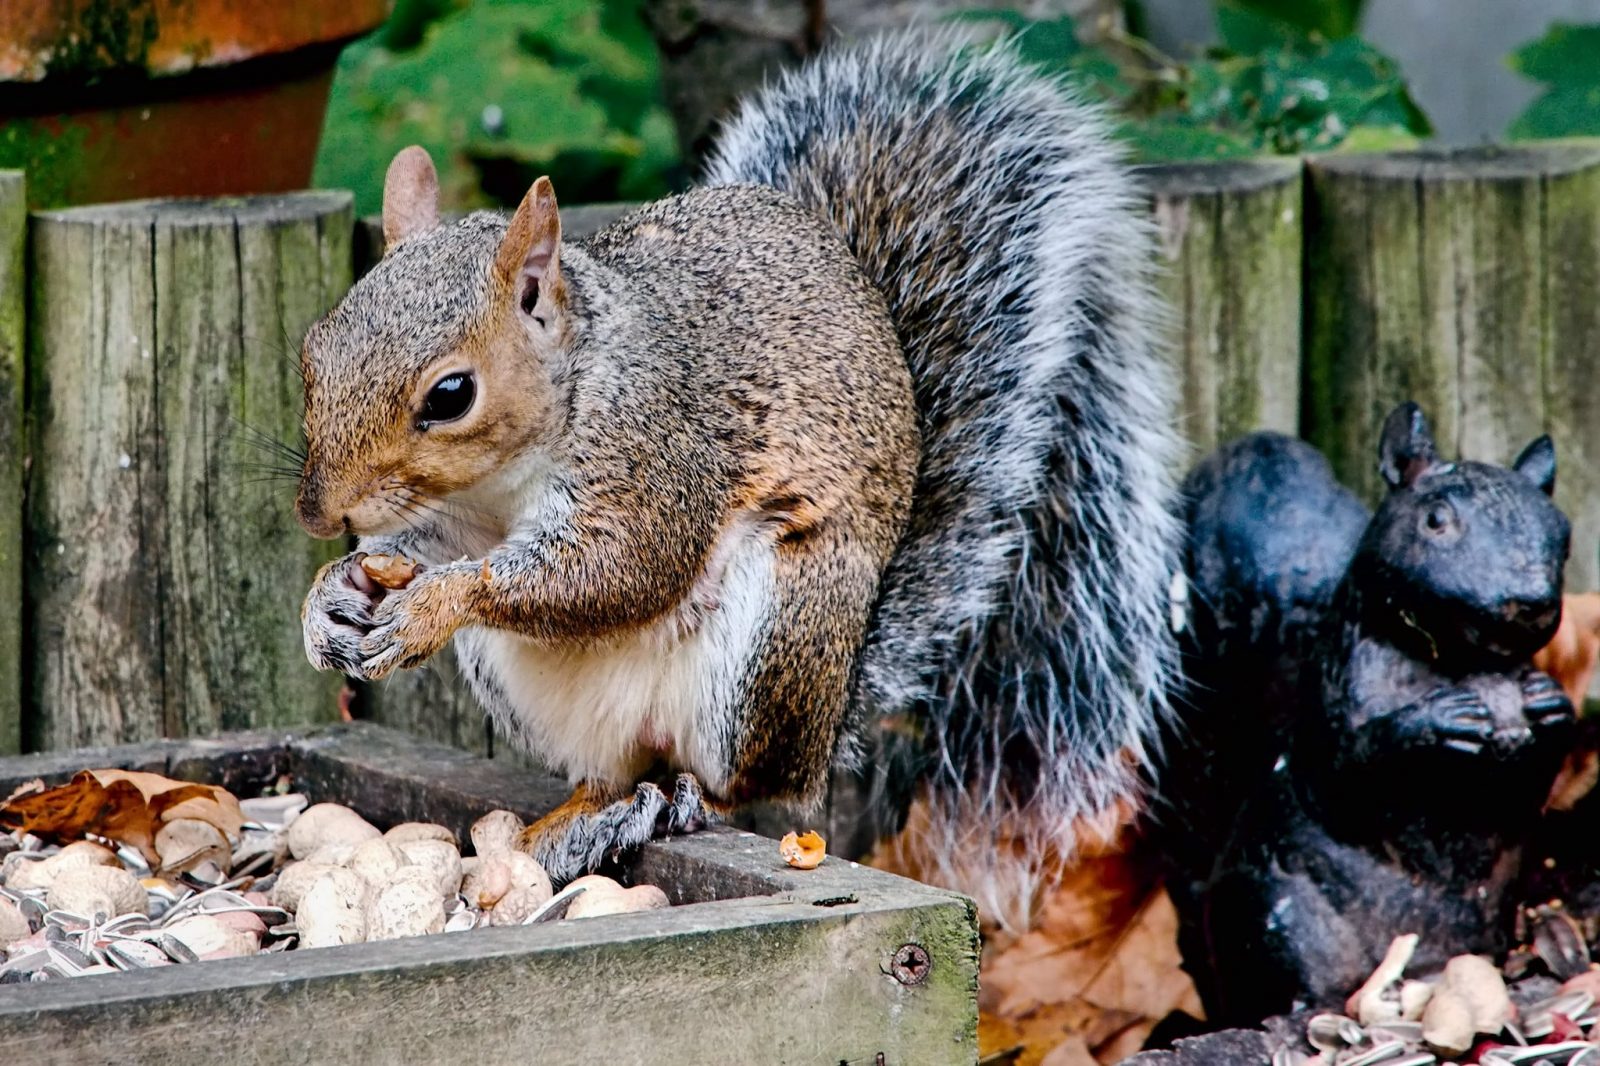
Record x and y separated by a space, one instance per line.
165 572
13 452
795 967
1229 240
1464 280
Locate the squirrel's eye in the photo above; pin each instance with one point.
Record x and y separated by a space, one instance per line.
1438 517
448 400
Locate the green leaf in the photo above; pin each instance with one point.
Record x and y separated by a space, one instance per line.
1169 140
1246 31
1330 19
499 92
1569 111
1566 55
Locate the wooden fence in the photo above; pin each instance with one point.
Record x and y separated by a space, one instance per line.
160 580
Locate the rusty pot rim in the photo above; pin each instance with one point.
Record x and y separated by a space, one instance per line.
86 39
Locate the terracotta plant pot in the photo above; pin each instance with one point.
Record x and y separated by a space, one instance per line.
106 100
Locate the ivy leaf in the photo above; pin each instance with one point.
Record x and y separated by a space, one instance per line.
1565 55
1567 111
1564 60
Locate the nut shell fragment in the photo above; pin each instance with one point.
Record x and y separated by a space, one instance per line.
1447 1025
211 938
13 925
184 843
803 851
1378 1001
1480 985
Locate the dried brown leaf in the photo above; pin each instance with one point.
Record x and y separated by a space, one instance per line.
123 805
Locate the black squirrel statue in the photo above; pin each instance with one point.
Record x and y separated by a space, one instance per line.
1366 743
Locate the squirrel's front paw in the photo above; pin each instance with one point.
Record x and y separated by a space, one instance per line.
337 615
411 624
1545 702
575 838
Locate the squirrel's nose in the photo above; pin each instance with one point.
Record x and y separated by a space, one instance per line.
314 520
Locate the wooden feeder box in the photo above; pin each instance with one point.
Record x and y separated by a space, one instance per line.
756 964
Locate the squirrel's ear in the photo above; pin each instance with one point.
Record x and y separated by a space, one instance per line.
1406 450
530 256
410 196
1537 463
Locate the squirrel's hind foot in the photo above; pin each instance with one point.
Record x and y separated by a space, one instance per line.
597 823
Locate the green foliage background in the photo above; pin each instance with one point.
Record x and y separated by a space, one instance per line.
1287 78
499 92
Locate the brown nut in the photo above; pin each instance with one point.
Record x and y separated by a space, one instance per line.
333 910
294 881
496 832
328 823
439 858
390 571
405 908
90 890
419 831
40 874
376 861
600 899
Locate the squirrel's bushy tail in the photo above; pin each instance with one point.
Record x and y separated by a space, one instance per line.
1022 629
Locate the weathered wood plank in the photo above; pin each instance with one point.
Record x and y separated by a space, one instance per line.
167 573
1229 240
1463 280
13 451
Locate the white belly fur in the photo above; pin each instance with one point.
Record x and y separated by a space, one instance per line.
599 711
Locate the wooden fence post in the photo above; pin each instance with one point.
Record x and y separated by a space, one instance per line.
1230 245
1468 281
165 573
13 453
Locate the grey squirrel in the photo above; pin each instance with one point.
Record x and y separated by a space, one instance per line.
862 446
1415 741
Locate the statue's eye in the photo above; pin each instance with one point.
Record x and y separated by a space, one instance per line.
1438 518
448 400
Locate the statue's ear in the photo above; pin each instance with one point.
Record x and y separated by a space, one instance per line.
1537 463
529 258
1406 450
410 196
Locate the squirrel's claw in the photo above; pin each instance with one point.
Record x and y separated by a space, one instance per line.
335 618
577 837
409 625
582 833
